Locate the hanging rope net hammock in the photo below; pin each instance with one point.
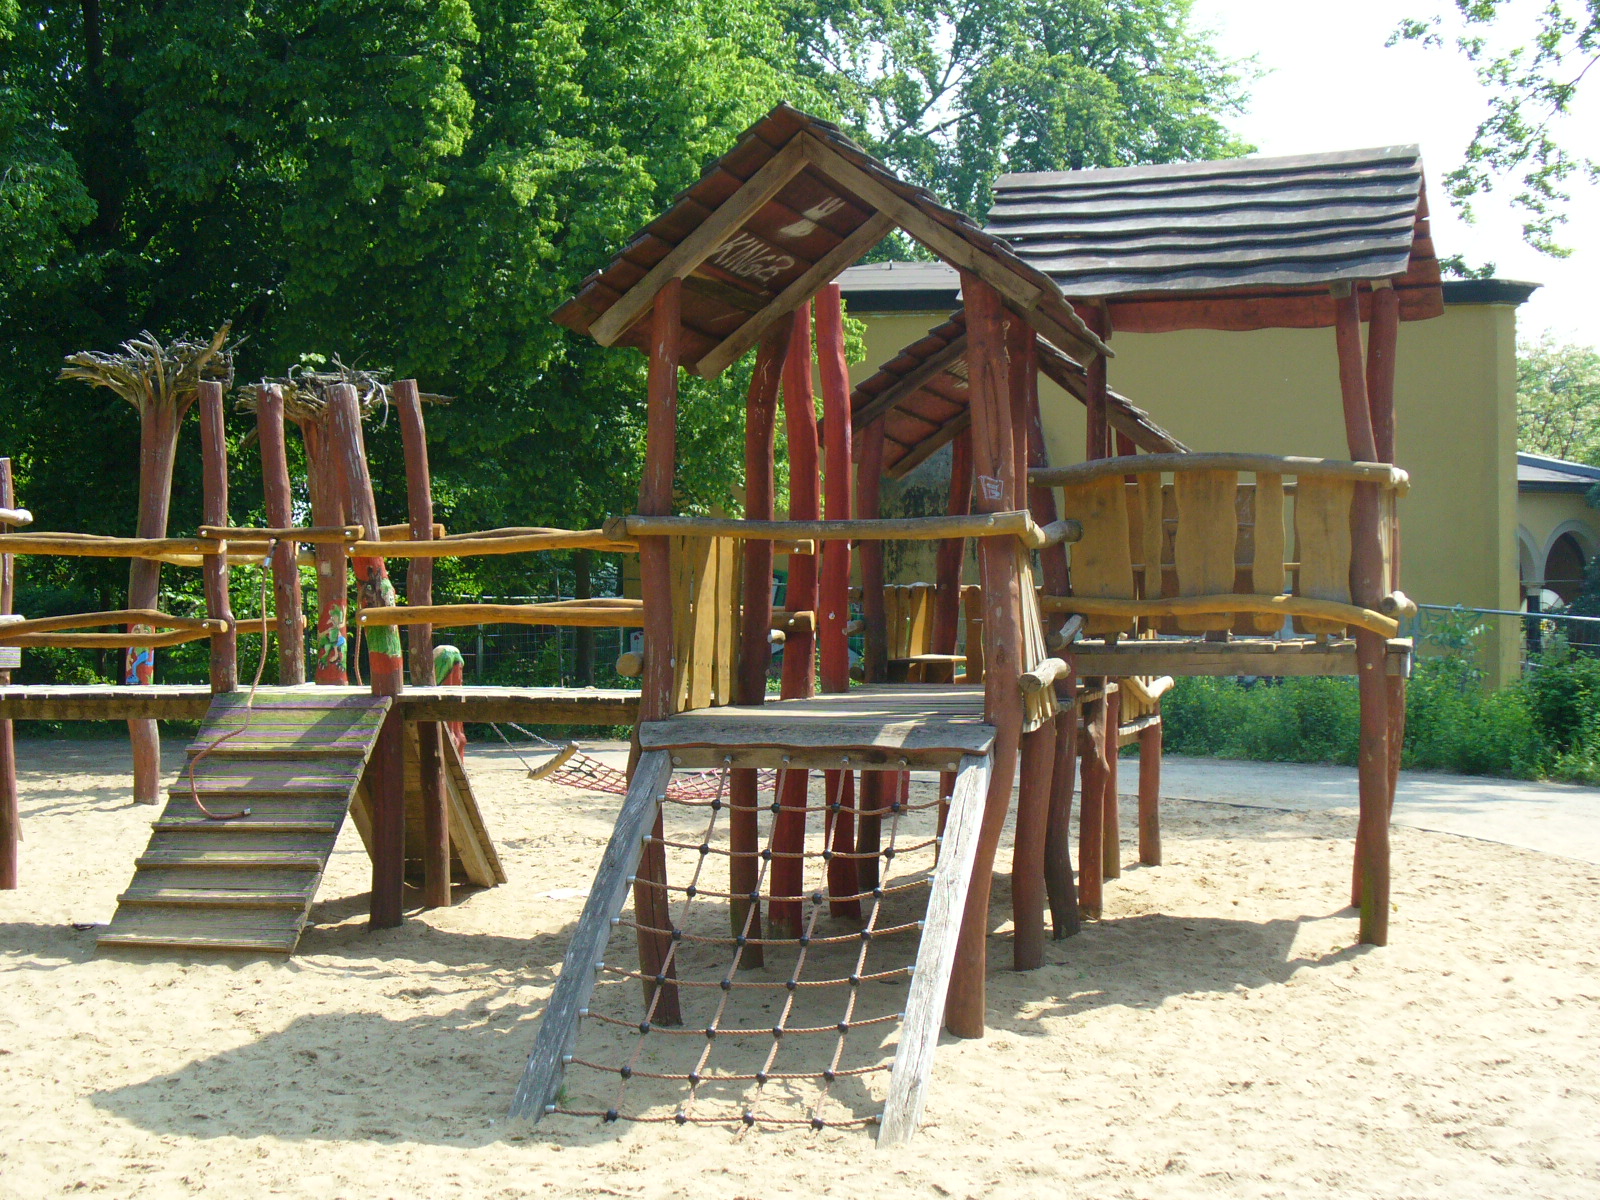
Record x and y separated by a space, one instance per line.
569 766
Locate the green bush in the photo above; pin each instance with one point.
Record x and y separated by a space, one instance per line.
1546 725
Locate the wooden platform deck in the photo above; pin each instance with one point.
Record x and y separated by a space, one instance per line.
189 702
888 726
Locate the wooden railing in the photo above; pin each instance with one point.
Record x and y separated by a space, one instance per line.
1201 543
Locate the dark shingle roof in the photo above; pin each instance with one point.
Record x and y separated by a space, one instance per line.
1541 473
1255 239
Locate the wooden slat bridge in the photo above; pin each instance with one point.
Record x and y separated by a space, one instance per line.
296 760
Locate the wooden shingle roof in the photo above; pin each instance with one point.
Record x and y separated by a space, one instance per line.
921 395
769 223
1246 243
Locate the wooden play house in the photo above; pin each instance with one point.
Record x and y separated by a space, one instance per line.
1179 562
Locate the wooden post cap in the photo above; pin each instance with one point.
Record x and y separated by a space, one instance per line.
1397 605
630 665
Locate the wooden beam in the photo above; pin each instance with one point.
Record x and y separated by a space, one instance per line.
702 242
936 955
729 350
910 383
10 802
214 501
1364 472
279 499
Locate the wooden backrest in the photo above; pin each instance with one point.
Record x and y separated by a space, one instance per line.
706 580
908 617
1200 525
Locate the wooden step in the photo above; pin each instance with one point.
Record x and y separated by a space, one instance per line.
213 898
246 825
300 860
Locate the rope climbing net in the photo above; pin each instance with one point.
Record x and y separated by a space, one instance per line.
569 766
774 1018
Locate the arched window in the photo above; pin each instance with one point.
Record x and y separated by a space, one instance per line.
1563 567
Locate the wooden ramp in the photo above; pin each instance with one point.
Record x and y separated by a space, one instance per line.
765 1041
299 765
247 884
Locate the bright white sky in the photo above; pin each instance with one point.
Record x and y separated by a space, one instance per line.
1332 85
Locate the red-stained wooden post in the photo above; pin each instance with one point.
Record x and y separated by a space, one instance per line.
386 666
1060 889
287 604
158 448
1366 566
833 598
869 495
10 800
419 641
655 580
755 647
214 505
333 572
1091 809
786 878
997 489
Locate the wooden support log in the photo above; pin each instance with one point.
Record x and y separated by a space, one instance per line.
786 878
285 555
1111 825
1028 854
1091 811
1398 605
419 642
1150 794
214 501
10 799
869 491
657 689
755 645
996 490
12 518
385 665
950 559
1036 679
1060 889
330 648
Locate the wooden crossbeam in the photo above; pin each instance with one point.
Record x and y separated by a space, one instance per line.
702 242
911 383
841 256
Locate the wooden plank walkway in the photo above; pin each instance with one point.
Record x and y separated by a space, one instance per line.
186 702
879 726
247 884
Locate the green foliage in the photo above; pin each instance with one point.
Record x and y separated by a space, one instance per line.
1545 725
1558 399
1532 83
954 92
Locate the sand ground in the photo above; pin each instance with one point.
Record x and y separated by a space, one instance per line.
1217 1034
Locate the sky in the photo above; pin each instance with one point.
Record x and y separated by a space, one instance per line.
1331 84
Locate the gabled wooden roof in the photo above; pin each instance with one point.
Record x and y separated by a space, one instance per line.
769 223
921 395
1246 243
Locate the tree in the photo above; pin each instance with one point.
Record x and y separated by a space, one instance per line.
1558 400
954 92
1532 88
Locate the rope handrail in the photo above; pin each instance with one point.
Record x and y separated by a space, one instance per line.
1383 474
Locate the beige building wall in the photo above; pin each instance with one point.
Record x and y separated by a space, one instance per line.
1545 516
1277 392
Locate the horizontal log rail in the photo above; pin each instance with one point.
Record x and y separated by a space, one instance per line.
88 545
467 545
1183 606
313 535
1017 523
96 620
627 615
110 641
1148 691
1268 464
1038 678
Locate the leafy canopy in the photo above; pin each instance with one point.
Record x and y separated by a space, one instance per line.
1558 400
1532 88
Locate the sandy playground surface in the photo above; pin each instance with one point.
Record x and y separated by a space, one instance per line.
1216 1035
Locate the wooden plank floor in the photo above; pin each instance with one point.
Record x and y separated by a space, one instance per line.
924 725
247 884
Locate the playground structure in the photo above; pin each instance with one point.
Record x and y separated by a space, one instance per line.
1181 563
